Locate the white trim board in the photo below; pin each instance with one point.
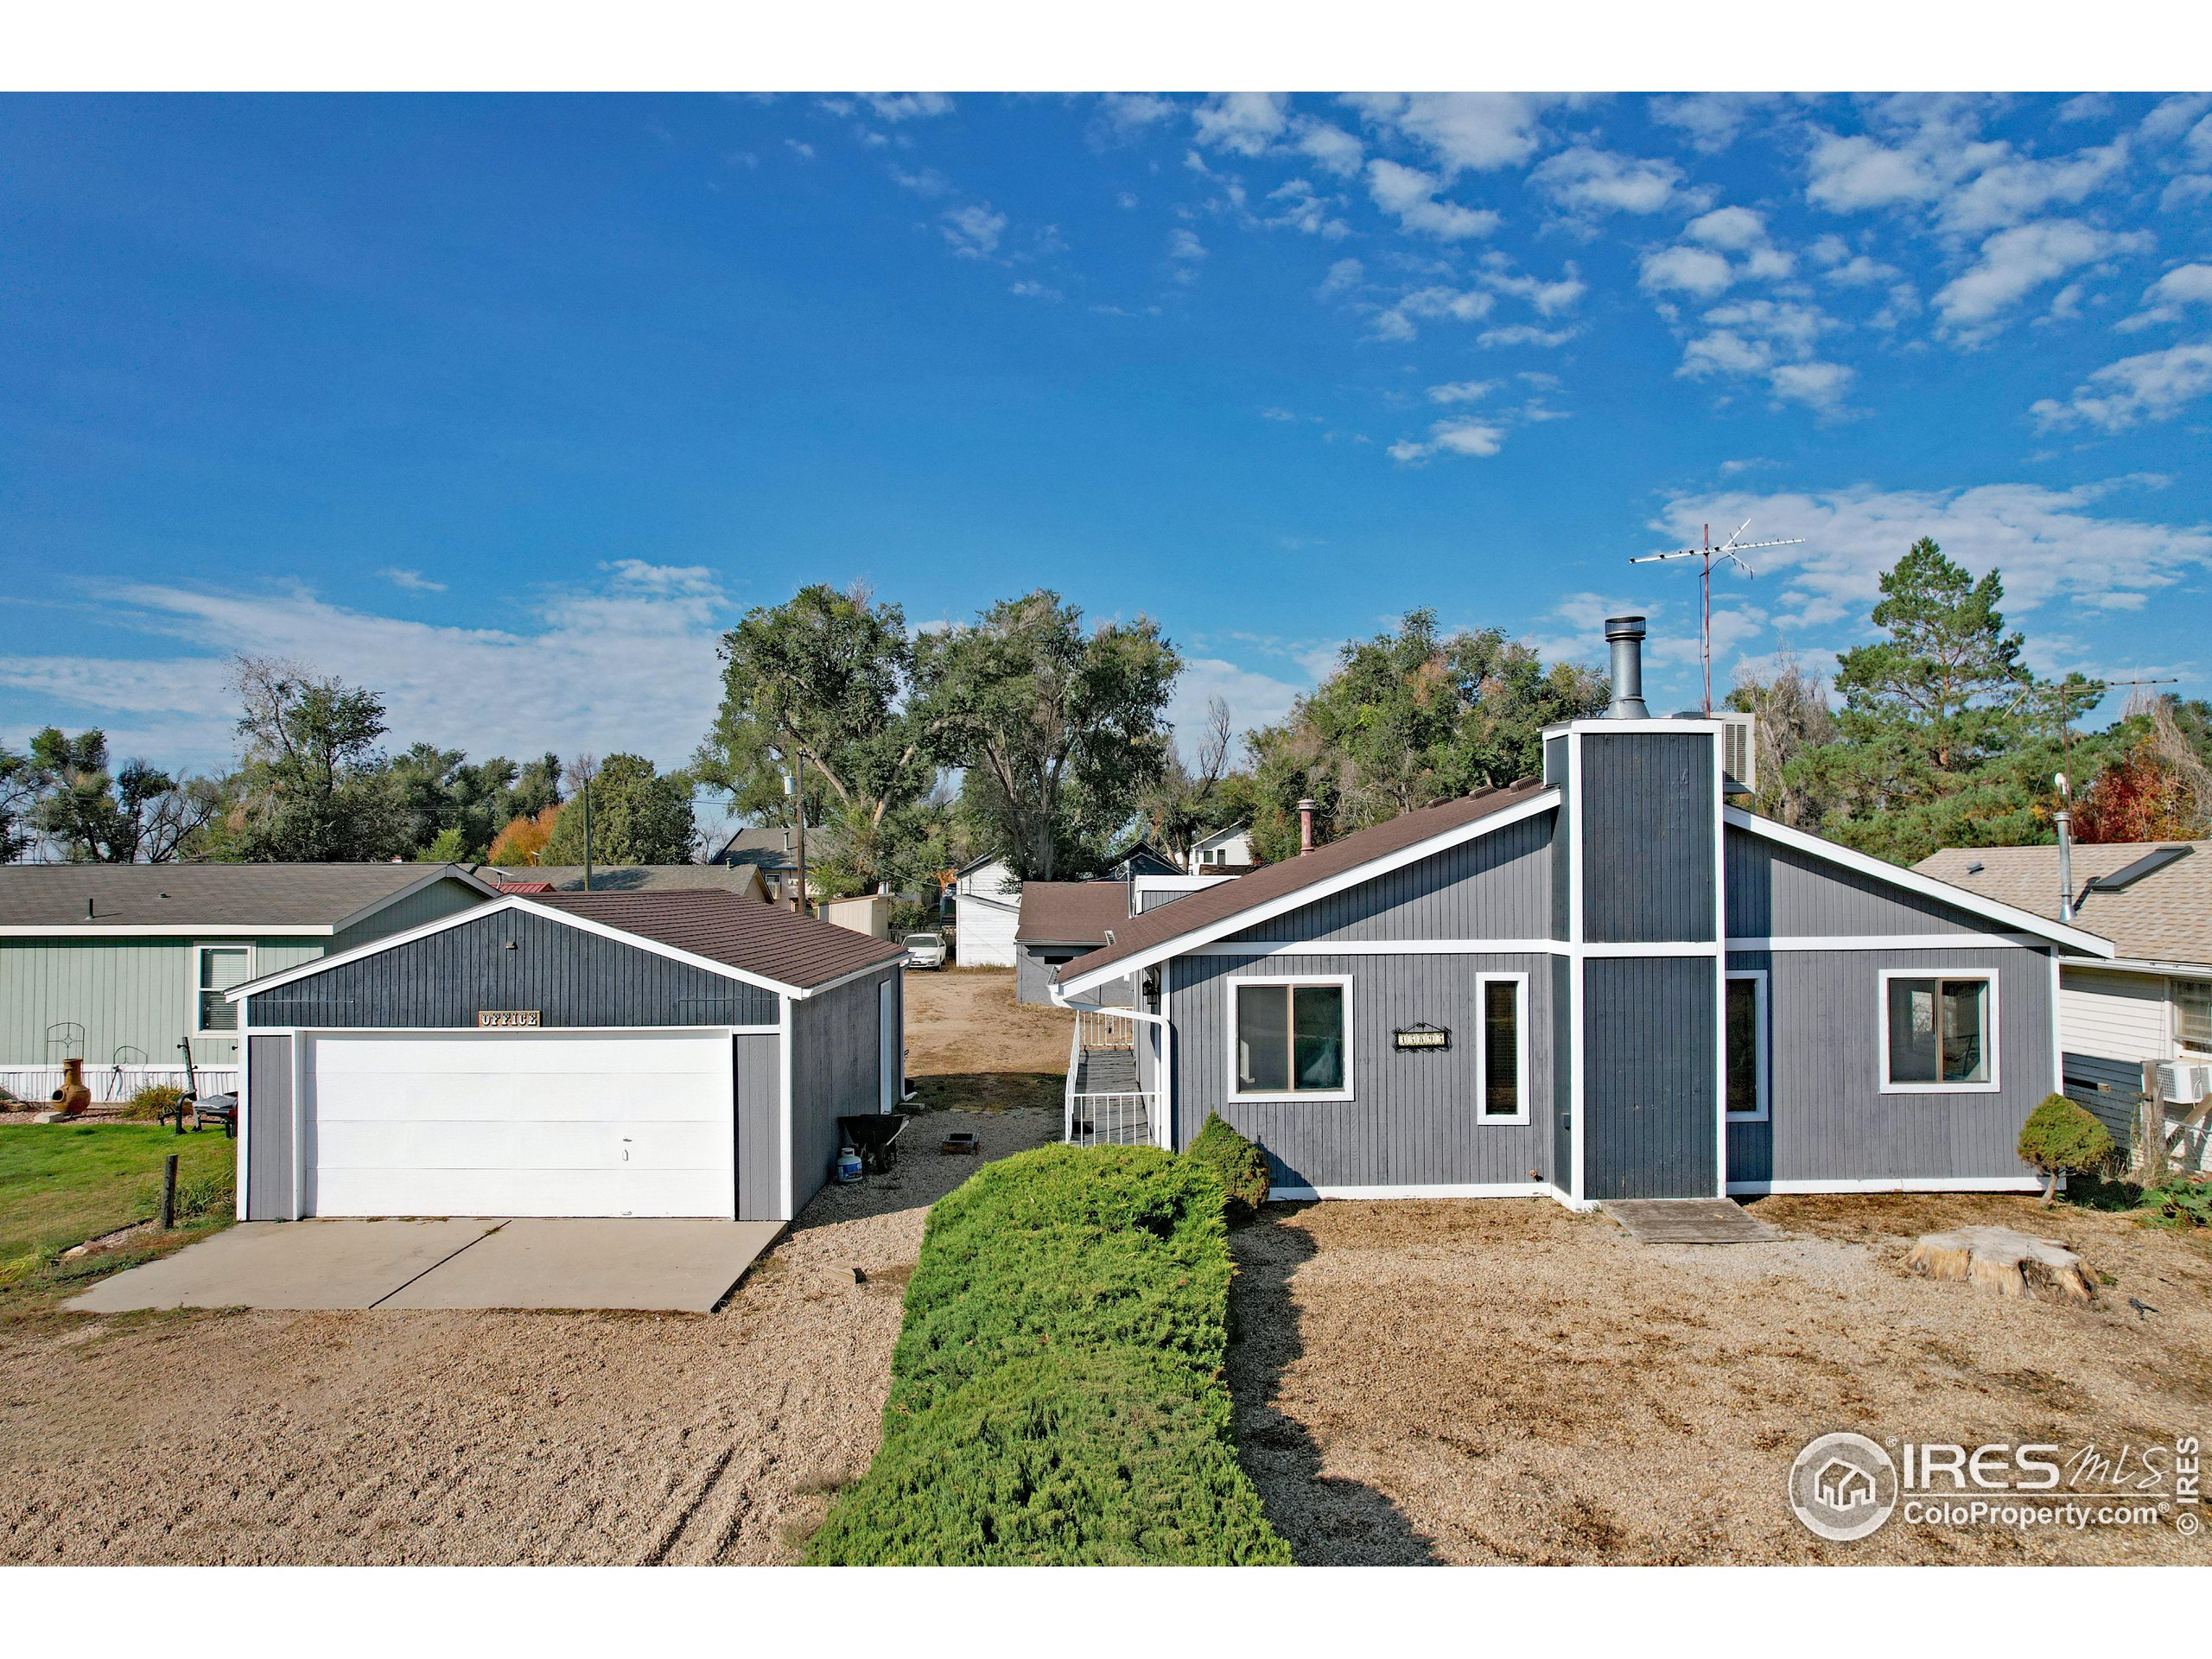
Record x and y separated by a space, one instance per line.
1183 943
1926 886
1765 1113
1892 1183
1522 1082
1992 1037
1460 1189
169 931
1291 982
511 902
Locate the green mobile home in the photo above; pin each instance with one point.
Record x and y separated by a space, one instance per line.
124 966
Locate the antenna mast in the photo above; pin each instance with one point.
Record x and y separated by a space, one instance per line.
1709 554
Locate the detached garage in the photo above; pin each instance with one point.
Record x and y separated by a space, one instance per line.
571 1054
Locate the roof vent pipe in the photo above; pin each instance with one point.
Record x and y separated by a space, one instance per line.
1625 635
1306 809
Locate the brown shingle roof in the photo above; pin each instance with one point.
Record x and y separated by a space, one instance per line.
727 927
1070 913
230 896
1273 882
2165 916
633 878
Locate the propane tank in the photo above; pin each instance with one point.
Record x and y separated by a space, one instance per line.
848 1166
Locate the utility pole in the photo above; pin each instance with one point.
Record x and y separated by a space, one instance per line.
586 792
798 797
1708 554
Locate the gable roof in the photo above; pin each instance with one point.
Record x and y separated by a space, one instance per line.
1273 888
636 878
2163 916
1070 913
725 932
315 899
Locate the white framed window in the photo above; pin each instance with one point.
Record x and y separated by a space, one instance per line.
215 969
1502 1047
1290 1036
2193 1013
1939 1031
1746 1015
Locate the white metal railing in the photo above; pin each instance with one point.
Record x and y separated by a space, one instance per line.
1104 1102
110 1083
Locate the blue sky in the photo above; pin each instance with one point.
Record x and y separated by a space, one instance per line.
505 406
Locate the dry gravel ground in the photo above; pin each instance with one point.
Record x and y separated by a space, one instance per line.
1489 1381
479 1438
969 1043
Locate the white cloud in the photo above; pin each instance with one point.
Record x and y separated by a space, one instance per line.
1711 119
928 183
1851 172
2048 543
1462 392
1129 113
1523 333
1462 437
626 663
1735 229
1033 290
1438 303
1278 414
1687 270
2013 263
1185 244
1462 131
804 152
1600 181
1768 340
974 230
2153 386
1254 699
1304 209
1333 149
1344 274
895 107
2013 190
2174 116
1246 123
2162 301
1410 194
413 580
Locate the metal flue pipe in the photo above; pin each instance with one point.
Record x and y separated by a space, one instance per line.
1625 635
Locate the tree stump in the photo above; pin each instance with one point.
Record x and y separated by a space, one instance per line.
2010 1263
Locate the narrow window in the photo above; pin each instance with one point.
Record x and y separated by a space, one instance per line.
221 967
1742 1047
1290 1039
2193 1013
1501 1048
1939 1031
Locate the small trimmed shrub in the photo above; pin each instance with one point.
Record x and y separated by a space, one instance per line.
1057 1394
151 1102
2179 1202
2060 1138
1241 1166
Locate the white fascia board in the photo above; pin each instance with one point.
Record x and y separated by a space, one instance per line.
170 931
509 902
1926 886
1181 944
1893 1183
2146 965
433 874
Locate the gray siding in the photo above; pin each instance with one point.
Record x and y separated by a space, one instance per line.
269 1129
1413 1118
760 1126
1776 891
2113 1092
1648 823
1649 1092
440 899
1497 886
1032 977
1830 1120
573 977
1562 1078
834 1061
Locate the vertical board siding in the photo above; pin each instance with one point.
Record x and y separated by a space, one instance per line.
758 1129
440 899
1650 1092
1831 1120
1414 1119
1776 891
573 977
1561 1095
269 1130
834 1061
2111 1091
1648 823
125 993
1497 886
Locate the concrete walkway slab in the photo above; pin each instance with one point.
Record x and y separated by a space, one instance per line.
292 1264
673 1265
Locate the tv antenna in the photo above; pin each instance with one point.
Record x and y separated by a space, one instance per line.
1711 555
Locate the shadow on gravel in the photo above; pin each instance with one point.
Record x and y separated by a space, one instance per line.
1326 1521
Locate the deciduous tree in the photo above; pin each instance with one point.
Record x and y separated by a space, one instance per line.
638 816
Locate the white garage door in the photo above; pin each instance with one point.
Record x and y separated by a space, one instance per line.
522 1124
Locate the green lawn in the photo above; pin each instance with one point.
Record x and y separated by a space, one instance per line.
61 1184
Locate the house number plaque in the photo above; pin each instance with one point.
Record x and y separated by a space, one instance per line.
1423 1036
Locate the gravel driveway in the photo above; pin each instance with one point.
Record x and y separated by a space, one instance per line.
479 1438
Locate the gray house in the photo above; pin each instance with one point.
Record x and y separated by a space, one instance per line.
1057 922
1607 983
117 965
604 1054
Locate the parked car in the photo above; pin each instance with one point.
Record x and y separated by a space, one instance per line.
924 949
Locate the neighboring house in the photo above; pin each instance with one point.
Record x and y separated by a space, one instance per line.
1230 849
987 909
1059 922
2152 1002
744 880
117 964
1606 984
682 1053
1140 858
774 852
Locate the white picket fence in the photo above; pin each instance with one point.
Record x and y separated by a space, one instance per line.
110 1083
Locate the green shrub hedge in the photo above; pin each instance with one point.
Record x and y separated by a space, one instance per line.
1056 1394
1241 1166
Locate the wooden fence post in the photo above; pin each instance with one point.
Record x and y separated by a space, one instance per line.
168 1193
